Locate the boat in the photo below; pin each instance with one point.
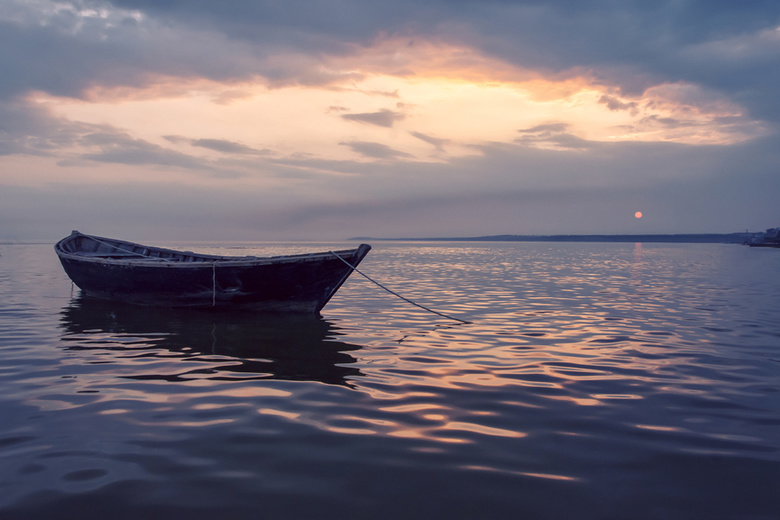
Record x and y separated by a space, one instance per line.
113 269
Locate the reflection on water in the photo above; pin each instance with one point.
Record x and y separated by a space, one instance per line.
248 345
594 381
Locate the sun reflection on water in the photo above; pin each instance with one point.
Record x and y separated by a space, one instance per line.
581 362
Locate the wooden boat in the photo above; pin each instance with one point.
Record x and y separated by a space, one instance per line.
119 270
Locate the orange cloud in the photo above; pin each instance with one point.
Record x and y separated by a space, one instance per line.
400 99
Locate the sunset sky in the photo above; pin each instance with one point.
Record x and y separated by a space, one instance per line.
324 120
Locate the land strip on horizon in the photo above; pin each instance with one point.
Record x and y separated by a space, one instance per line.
690 238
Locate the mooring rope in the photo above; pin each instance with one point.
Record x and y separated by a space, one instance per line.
407 300
214 284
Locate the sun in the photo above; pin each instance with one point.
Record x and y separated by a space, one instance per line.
638 214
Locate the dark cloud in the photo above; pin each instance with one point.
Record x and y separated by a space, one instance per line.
385 118
636 44
668 122
313 23
554 135
108 145
229 147
120 148
727 47
520 190
728 50
546 129
439 144
30 130
61 52
375 150
632 44
52 59
615 104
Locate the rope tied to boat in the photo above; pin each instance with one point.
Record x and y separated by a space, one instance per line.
214 284
407 300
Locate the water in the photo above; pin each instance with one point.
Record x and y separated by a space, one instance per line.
594 381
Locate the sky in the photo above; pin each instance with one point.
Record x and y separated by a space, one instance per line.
325 120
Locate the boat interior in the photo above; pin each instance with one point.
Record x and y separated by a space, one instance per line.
98 247
109 248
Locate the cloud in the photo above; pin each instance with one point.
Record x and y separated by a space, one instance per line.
546 129
384 118
696 72
63 49
375 150
513 189
439 144
615 104
26 129
631 45
554 136
120 148
228 147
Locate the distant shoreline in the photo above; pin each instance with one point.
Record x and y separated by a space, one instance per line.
688 238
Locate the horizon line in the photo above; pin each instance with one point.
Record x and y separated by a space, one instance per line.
730 238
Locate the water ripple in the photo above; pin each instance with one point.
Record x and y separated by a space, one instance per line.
625 380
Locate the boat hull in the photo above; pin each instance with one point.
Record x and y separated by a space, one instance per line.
296 283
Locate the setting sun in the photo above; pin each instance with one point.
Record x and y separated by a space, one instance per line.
638 214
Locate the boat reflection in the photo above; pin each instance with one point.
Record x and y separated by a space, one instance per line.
289 347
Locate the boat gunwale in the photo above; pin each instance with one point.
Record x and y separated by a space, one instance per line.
201 260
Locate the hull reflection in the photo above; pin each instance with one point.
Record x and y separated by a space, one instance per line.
284 346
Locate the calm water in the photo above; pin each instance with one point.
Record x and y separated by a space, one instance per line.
595 381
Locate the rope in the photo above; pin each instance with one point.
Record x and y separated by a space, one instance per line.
214 284
407 300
